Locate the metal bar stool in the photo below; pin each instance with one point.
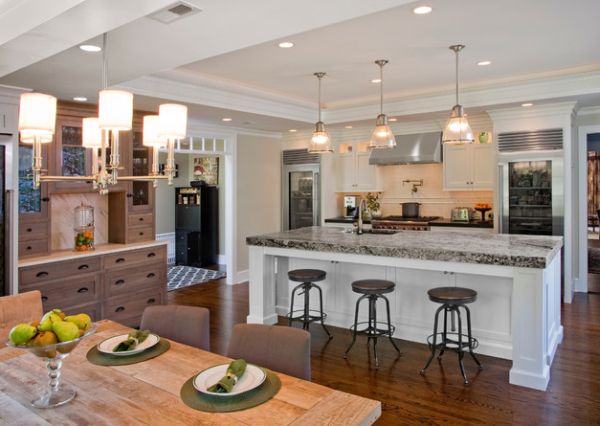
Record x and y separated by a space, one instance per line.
452 298
372 290
307 277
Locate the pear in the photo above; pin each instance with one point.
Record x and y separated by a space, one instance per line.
44 338
48 319
21 334
83 321
65 330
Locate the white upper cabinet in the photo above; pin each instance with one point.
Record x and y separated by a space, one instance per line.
8 118
469 167
353 168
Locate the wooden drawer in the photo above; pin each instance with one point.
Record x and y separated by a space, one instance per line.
68 291
142 219
128 309
121 281
33 247
149 255
139 234
50 271
33 231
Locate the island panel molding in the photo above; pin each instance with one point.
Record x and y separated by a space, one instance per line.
516 316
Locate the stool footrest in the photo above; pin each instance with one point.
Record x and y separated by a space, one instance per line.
451 342
373 331
314 315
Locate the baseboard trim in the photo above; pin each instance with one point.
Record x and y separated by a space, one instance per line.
237 278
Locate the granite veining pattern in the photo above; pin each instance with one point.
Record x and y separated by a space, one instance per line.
522 251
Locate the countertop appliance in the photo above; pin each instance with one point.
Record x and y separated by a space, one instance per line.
460 214
351 206
419 148
300 189
403 223
531 183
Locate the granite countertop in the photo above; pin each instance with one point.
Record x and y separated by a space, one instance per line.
345 219
470 224
523 251
60 255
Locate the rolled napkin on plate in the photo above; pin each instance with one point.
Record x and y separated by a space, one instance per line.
235 371
135 338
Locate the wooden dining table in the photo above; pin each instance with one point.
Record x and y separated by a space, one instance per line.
147 393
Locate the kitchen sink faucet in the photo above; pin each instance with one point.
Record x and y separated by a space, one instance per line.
359 230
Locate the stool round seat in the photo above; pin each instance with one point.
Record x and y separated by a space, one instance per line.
373 286
307 275
452 295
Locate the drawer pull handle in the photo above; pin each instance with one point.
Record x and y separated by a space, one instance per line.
41 274
83 290
151 300
129 195
141 219
44 298
29 247
151 275
152 254
120 260
82 267
29 229
141 233
119 282
120 309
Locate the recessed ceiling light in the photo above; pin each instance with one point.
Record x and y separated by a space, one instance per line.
527 104
376 80
226 119
422 10
347 127
392 119
80 98
292 130
484 63
286 44
90 48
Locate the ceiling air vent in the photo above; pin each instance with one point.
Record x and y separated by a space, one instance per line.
175 12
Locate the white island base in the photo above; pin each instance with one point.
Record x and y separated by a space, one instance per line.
516 315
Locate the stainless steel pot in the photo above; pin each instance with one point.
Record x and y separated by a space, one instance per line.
410 209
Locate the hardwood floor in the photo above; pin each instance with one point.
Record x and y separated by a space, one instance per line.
573 396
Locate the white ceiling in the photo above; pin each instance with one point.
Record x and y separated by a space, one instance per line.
229 50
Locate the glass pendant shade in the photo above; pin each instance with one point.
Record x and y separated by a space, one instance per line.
382 136
172 121
115 110
457 129
150 136
37 115
91 133
320 142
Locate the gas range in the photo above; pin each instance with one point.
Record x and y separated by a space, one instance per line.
420 223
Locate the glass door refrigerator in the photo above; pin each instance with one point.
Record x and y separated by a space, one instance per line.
301 189
532 194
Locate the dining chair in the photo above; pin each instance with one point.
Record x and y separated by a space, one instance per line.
278 348
189 325
23 307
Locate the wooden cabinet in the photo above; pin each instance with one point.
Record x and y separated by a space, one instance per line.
117 286
469 167
353 168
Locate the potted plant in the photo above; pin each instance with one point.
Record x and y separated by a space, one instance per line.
373 204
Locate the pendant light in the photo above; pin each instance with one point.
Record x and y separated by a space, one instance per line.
382 136
457 129
172 125
320 142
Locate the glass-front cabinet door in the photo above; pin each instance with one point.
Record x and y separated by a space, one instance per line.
141 193
530 197
301 193
33 203
71 158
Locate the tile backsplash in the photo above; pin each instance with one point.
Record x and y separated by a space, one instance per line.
63 213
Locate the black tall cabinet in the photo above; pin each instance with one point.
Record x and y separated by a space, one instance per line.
197 225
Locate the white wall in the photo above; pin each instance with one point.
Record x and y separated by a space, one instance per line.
258 188
165 194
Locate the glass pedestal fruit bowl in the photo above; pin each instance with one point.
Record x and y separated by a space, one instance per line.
57 393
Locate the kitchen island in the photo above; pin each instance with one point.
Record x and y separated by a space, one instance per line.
517 277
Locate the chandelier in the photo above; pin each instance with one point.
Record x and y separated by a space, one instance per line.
37 121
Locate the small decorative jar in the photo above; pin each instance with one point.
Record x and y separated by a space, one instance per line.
484 137
84 228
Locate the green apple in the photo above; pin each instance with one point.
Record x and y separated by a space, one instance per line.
21 334
65 330
83 321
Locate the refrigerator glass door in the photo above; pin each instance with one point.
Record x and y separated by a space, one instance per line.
530 197
301 193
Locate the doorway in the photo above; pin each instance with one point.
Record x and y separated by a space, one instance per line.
593 211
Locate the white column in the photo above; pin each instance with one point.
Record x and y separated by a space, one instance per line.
261 287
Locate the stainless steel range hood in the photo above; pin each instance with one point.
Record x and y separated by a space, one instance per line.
419 148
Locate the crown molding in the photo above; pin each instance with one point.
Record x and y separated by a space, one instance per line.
588 111
203 128
544 110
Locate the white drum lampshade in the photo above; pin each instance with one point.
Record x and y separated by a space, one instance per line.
91 133
29 137
150 136
37 115
172 122
115 109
